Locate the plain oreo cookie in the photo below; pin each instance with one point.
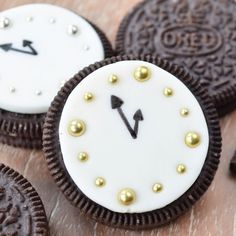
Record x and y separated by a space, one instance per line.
21 209
144 141
199 35
41 46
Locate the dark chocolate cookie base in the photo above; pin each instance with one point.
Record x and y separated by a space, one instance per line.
21 130
158 217
22 212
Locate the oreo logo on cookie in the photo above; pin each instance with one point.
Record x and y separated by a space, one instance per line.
190 40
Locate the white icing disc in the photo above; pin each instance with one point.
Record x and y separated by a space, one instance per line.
147 138
41 46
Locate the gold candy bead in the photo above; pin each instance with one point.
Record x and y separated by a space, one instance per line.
181 169
157 188
86 47
100 182
126 196
142 74
113 79
76 128
4 23
38 92
192 139
184 112
29 19
83 156
168 92
12 89
52 20
88 96
72 29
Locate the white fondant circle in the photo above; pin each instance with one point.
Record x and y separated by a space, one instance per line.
125 162
29 83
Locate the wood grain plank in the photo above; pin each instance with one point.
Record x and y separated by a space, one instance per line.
214 214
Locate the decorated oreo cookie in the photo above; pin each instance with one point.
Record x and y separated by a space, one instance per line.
132 142
21 209
199 35
41 46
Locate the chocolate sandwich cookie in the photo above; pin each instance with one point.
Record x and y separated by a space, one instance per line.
21 209
199 35
144 141
41 46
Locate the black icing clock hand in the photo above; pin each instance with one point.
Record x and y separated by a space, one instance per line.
116 103
138 116
26 43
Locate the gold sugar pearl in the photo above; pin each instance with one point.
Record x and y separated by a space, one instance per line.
157 188
168 92
100 182
142 74
4 23
126 196
181 168
88 96
184 112
29 19
192 139
52 20
83 156
12 89
72 29
76 128
113 79
38 92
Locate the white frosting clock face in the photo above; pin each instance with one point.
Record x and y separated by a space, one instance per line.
133 137
41 45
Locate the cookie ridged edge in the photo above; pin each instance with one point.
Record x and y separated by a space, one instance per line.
36 206
54 159
225 101
21 130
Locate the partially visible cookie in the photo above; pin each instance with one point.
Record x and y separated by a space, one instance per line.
21 209
232 165
199 35
41 46
132 142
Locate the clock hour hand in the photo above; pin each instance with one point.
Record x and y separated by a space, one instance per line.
26 43
116 103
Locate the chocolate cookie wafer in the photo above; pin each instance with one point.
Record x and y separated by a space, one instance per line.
21 209
132 142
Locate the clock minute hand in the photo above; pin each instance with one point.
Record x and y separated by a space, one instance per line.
116 103
138 116
8 47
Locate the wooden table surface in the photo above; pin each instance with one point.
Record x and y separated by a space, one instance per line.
213 215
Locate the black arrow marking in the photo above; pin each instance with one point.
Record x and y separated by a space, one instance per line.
26 43
116 103
138 116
